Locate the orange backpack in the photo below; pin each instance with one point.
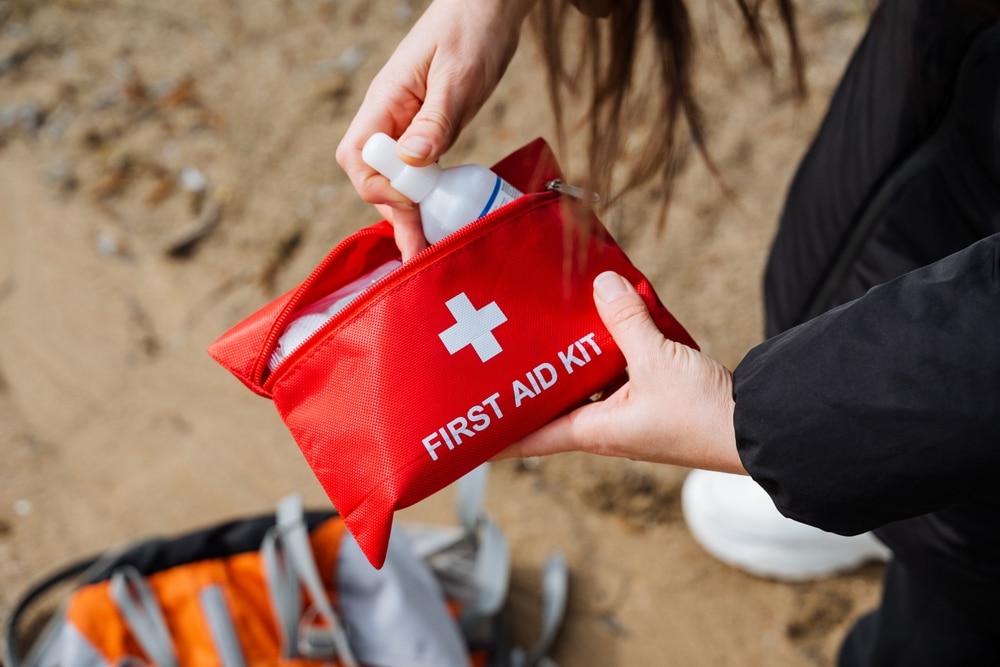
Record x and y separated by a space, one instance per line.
292 589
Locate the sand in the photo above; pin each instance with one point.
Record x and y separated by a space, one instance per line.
117 270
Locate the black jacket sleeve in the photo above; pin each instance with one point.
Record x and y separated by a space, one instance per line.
884 408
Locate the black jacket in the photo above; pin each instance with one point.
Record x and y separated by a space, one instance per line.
875 403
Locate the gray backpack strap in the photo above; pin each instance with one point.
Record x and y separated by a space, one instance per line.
292 533
555 590
47 644
141 613
492 571
491 574
220 625
471 489
283 590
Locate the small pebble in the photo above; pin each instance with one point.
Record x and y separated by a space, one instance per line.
57 172
325 194
122 69
305 209
70 62
22 507
529 464
106 99
58 121
16 30
7 63
193 180
109 244
403 13
31 116
28 115
351 59
8 116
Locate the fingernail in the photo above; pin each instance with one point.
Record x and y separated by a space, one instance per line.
608 286
416 147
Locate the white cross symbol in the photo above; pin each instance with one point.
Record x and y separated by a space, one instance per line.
473 327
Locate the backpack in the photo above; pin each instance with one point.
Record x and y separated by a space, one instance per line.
292 589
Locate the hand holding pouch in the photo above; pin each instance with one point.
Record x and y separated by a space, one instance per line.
470 346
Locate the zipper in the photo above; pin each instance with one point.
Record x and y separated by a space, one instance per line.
260 367
588 196
387 282
553 187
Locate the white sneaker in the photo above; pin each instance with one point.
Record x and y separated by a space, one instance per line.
734 520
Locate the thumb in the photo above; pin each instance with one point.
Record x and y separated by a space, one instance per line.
431 131
626 316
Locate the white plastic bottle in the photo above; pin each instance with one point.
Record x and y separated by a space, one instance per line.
449 199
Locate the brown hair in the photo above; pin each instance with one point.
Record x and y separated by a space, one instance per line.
611 54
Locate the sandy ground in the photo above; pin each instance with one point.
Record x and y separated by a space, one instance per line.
115 276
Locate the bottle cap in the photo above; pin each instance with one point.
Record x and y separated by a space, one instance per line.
414 183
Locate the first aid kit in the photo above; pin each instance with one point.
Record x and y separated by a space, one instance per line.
471 345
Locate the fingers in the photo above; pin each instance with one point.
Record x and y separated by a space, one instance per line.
370 185
627 318
432 131
408 232
677 407
436 80
595 427
375 189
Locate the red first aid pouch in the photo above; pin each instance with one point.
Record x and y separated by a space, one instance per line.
471 345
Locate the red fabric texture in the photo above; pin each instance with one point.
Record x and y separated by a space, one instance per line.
384 413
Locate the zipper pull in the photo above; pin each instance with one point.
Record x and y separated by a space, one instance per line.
588 196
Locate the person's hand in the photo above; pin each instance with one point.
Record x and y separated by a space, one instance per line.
440 75
677 406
